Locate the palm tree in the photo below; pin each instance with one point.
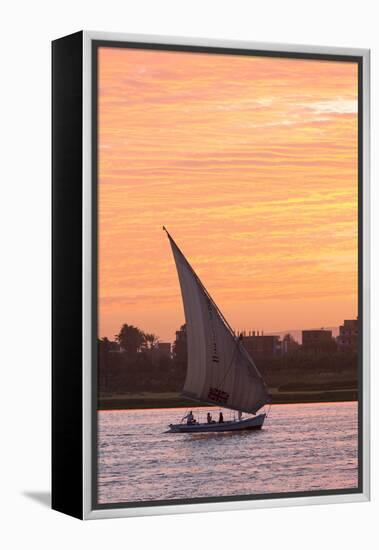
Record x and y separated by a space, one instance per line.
130 338
151 340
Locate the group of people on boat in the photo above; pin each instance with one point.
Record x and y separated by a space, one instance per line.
210 419
191 419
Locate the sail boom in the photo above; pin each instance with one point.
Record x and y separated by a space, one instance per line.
217 405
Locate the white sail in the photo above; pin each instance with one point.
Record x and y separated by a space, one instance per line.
220 370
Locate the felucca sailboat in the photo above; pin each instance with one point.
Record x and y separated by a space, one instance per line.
220 371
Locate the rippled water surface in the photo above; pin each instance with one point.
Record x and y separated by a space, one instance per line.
300 448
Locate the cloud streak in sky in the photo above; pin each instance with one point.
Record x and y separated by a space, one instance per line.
252 165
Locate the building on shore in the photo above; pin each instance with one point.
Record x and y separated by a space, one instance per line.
179 348
347 340
318 341
261 345
289 344
164 349
159 351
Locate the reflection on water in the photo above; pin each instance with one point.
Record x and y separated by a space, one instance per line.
301 447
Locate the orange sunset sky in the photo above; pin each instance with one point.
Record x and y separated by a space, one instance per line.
251 164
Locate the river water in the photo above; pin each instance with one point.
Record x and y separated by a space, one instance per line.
301 447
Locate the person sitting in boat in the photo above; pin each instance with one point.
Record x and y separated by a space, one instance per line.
190 418
240 415
221 418
209 418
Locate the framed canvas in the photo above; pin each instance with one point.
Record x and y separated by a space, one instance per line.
210 275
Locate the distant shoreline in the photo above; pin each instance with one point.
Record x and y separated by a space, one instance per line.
172 400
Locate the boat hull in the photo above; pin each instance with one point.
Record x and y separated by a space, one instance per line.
253 423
